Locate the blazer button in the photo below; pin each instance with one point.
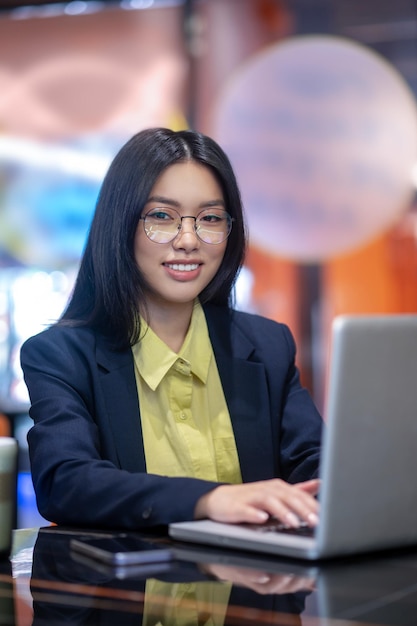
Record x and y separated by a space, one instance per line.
146 513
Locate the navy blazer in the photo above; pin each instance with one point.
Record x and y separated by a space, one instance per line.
86 447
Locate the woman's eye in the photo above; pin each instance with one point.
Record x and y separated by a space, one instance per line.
211 218
161 215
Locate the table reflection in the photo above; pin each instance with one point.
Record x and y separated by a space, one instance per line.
196 589
202 586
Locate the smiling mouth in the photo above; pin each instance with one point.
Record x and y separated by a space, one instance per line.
182 267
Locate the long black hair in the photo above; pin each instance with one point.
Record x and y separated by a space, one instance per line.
109 286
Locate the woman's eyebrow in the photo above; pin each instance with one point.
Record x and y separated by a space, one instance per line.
170 202
163 200
211 203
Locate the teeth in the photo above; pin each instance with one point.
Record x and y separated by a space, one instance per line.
182 267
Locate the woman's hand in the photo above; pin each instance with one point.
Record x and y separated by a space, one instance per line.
255 502
263 583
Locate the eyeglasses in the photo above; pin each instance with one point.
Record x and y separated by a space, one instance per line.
163 224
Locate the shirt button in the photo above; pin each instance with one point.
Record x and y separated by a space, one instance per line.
146 513
183 416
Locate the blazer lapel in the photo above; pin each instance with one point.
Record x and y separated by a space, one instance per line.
118 385
246 392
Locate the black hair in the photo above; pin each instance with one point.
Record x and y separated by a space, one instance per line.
109 286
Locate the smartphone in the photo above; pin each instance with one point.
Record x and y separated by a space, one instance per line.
122 550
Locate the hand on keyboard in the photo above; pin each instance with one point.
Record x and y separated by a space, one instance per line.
258 501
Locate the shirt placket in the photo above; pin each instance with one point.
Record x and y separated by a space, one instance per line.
182 385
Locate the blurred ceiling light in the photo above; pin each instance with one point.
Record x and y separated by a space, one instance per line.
55 158
78 7
136 4
26 10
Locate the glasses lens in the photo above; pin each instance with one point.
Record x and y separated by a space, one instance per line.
213 225
162 224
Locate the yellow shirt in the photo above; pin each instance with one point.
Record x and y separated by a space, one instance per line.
186 432
185 604
185 421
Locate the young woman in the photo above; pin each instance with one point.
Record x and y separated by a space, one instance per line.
153 400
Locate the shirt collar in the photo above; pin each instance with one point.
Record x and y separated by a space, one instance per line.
154 358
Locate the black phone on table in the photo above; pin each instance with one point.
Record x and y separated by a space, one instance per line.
122 550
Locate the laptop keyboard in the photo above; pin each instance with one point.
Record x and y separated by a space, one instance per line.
275 526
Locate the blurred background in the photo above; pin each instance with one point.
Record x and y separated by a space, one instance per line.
313 100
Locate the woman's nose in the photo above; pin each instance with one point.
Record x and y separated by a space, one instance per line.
187 236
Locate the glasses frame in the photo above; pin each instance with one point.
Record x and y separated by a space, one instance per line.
229 218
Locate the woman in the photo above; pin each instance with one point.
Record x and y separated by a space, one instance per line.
153 400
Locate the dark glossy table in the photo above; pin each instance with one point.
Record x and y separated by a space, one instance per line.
45 584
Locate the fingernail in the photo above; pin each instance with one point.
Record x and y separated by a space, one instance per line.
313 519
292 520
262 579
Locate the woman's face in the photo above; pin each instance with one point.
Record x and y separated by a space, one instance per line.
176 272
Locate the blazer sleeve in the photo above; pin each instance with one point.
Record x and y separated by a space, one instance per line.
77 476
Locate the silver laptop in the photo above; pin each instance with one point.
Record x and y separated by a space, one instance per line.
369 458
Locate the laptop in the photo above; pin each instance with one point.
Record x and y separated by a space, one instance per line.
368 496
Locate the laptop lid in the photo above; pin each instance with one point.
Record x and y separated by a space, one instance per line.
368 496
